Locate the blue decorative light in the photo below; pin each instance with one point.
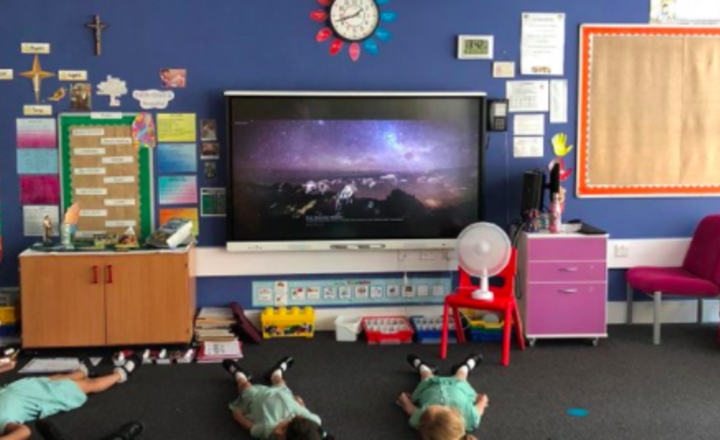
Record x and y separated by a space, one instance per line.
388 16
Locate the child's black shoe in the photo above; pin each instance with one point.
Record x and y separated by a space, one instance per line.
470 362
416 363
283 365
233 367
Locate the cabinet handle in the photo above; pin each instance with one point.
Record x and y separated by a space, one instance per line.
109 277
568 269
568 290
95 275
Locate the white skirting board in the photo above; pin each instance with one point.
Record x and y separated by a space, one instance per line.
674 312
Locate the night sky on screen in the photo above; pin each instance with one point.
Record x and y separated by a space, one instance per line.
352 146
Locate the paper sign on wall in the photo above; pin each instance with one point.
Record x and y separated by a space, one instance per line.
6 74
504 69
37 110
529 125
37 161
35 48
176 127
698 12
36 133
213 202
543 44
184 213
528 147
177 190
528 96
558 101
177 158
154 99
72 75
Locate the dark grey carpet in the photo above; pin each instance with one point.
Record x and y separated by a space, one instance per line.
632 390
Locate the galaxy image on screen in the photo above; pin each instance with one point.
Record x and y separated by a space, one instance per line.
354 178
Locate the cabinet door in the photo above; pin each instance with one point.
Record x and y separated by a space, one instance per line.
148 299
62 301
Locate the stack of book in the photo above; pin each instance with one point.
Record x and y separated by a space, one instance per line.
214 324
215 352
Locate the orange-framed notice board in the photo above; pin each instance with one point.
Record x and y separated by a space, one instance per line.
648 111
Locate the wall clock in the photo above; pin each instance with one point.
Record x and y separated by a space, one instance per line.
355 23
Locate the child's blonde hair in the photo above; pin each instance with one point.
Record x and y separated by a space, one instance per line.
443 423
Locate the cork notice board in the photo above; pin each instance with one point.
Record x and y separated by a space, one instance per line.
106 175
649 111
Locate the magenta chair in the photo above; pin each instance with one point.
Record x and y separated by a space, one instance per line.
699 276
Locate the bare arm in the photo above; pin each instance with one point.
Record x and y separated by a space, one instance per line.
406 404
16 431
7 367
481 403
239 417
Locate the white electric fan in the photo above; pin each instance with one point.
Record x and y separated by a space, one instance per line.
483 250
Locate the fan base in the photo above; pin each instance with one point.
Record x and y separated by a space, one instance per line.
483 295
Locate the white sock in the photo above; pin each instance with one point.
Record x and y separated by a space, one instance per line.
123 374
417 363
129 366
276 375
470 363
84 369
424 369
240 376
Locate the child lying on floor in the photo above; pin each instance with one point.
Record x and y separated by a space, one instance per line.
444 407
26 400
272 412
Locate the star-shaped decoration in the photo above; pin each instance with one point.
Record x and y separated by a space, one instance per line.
37 75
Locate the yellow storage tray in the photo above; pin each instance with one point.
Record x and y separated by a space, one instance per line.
293 322
8 315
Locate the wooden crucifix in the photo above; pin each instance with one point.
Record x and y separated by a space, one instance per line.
98 26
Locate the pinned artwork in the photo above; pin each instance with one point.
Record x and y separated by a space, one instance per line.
210 150
208 130
356 23
114 88
173 78
210 170
37 75
59 95
143 131
97 26
154 99
81 97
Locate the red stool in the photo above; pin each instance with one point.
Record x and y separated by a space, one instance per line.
504 302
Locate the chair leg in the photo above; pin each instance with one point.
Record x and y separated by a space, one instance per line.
459 331
700 310
443 338
518 327
506 337
630 292
658 309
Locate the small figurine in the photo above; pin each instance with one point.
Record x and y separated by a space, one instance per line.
128 239
47 231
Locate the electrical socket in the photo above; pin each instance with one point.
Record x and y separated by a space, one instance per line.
429 255
408 255
622 250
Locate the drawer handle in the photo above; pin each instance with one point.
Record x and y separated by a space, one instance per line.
110 277
568 269
95 274
568 291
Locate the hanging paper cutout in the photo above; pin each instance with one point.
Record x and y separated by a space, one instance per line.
354 51
319 16
382 34
559 143
143 131
323 35
388 16
336 47
371 46
114 88
59 95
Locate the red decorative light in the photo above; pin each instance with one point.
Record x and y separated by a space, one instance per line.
318 16
336 47
323 35
325 2
354 51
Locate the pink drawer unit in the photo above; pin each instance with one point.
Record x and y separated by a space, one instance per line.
543 271
563 286
567 309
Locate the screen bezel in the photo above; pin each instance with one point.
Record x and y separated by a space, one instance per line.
238 245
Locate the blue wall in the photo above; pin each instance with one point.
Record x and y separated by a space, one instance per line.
270 45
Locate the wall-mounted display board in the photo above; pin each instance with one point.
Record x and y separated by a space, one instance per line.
105 174
648 111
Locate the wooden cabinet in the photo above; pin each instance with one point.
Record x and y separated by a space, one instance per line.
73 300
563 281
